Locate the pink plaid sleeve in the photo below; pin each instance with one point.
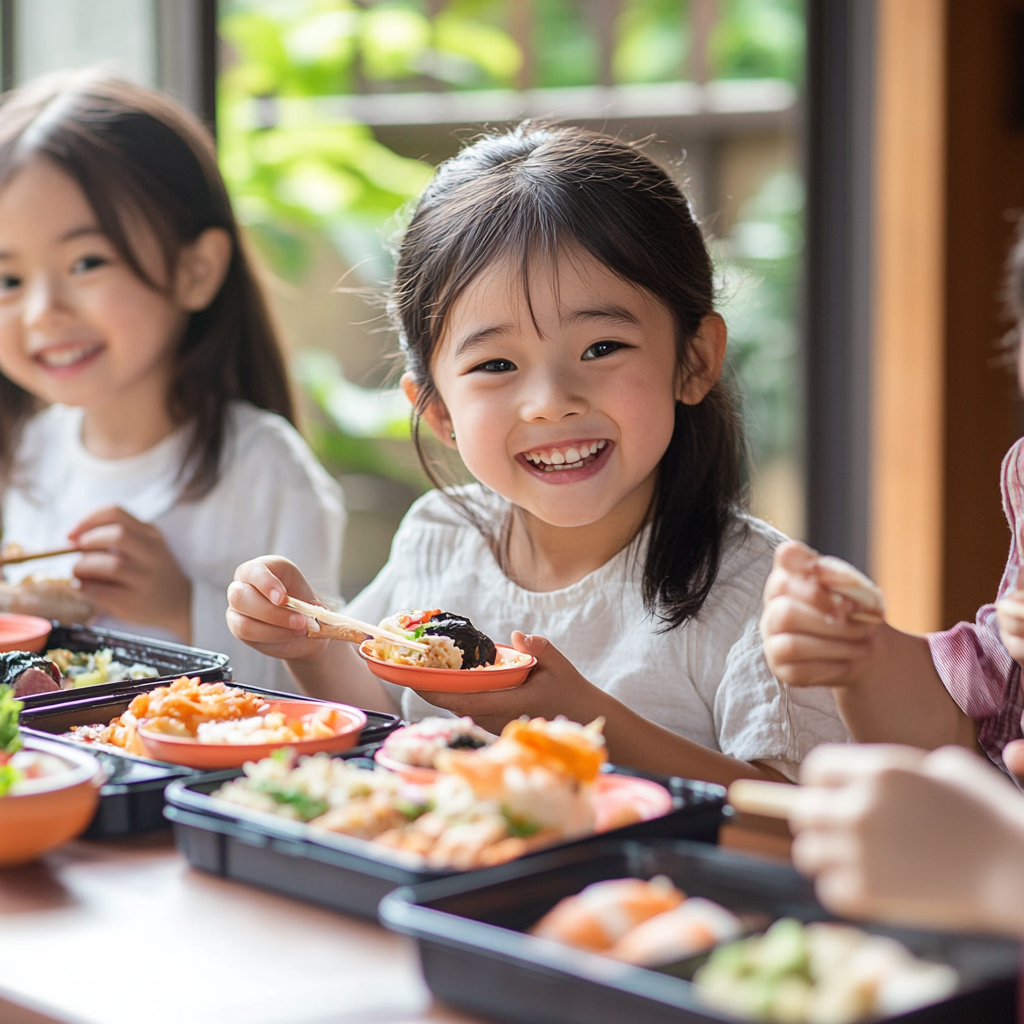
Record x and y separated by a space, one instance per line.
970 658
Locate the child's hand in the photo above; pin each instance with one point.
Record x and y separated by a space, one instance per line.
808 639
554 687
255 614
934 840
130 573
1010 614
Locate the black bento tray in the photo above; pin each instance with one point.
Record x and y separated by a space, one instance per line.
350 874
474 951
171 660
132 799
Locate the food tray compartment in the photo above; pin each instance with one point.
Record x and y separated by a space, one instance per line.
352 875
171 660
474 951
132 799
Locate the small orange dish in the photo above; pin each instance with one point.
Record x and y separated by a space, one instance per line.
212 756
39 814
23 632
511 670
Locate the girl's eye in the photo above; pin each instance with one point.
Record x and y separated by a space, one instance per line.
495 366
9 282
603 348
86 263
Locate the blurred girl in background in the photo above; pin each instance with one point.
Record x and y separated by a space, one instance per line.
145 413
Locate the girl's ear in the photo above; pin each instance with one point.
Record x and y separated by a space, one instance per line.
435 414
202 267
707 354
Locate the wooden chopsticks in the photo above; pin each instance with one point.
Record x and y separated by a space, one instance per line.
325 615
769 799
30 556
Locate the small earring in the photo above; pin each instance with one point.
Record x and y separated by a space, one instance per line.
453 435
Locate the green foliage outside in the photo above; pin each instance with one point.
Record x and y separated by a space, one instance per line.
294 167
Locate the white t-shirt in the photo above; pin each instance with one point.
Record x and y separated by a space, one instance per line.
272 497
707 680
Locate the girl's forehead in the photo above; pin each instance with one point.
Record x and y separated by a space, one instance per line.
552 282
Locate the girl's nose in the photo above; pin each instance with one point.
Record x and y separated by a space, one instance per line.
552 395
42 301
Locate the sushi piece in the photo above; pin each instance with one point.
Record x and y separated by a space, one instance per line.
695 925
28 674
843 578
599 916
477 648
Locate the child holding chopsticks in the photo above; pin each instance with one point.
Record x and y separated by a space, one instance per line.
554 299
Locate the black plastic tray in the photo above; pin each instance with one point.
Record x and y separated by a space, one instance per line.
352 875
169 659
132 799
474 952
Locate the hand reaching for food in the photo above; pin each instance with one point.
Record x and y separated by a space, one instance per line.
820 616
895 834
129 572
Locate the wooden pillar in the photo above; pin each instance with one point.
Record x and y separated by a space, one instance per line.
984 196
907 356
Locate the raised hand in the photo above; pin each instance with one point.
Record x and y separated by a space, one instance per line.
129 572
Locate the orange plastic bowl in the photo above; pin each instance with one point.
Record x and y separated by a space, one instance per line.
511 670
23 632
43 813
193 754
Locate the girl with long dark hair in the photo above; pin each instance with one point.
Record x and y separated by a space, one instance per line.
145 412
554 300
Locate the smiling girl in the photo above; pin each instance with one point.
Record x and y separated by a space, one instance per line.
554 300
144 406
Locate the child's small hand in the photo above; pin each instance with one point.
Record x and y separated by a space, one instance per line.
893 833
808 639
1010 614
130 573
255 614
554 687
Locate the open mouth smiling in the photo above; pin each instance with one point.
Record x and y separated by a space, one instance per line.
574 456
67 356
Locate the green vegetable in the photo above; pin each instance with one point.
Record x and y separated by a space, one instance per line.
307 807
521 828
10 738
9 775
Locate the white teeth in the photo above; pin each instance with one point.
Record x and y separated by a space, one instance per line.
571 458
65 357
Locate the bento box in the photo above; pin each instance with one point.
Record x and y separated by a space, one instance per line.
169 659
475 952
132 799
353 875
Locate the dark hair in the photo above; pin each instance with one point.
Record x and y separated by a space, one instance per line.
137 154
536 189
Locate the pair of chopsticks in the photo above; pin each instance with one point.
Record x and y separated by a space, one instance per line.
325 615
31 556
769 799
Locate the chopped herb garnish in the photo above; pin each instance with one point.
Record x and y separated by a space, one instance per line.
521 828
307 807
